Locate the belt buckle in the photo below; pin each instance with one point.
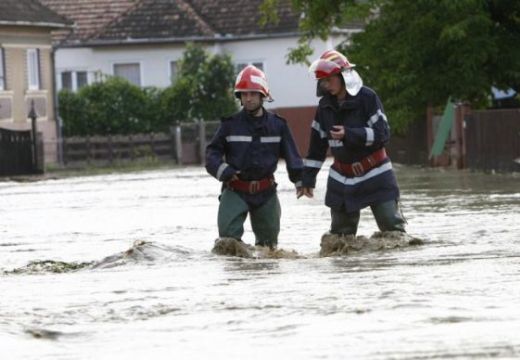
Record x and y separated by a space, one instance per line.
357 168
254 186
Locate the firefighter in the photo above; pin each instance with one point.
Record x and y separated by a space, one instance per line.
351 122
244 154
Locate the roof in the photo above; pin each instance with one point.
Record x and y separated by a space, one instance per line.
108 22
89 16
30 13
242 17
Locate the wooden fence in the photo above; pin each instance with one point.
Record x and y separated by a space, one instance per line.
110 149
182 144
493 140
410 148
490 140
16 153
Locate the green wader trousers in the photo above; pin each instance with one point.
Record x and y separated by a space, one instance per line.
387 215
265 220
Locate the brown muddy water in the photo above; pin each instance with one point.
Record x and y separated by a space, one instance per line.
120 267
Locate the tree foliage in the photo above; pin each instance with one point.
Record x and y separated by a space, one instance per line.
319 18
421 52
415 53
204 88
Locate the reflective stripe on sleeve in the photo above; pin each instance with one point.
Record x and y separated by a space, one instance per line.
335 143
221 169
374 118
370 136
316 126
312 163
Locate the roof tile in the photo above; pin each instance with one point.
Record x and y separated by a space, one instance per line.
29 11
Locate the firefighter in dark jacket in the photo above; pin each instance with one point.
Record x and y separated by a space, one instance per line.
244 154
350 120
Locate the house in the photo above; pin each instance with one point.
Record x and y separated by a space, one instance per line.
27 68
142 40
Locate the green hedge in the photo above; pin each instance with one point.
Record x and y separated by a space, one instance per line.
114 106
203 90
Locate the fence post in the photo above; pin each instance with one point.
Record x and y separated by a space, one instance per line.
110 150
32 115
152 144
462 110
132 147
202 141
64 151
87 145
176 135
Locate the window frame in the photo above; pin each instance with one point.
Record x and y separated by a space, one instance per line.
239 65
171 76
76 76
140 68
33 69
62 86
3 82
74 83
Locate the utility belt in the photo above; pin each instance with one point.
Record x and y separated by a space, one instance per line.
361 167
252 187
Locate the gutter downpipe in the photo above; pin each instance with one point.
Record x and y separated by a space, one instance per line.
59 124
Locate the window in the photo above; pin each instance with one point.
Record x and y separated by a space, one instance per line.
33 69
173 71
66 80
241 65
81 79
73 80
129 71
2 69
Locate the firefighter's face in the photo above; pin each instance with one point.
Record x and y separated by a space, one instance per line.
332 84
251 100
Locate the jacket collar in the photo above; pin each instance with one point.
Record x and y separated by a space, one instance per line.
351 102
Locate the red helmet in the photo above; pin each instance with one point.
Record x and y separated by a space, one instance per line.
330 62
252 79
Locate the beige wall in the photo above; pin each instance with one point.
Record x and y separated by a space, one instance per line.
16 41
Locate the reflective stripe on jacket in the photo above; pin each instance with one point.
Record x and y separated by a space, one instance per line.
253 147
366 130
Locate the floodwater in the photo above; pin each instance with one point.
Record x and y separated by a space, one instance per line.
168 297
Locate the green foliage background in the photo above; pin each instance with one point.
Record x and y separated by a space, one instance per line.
415 53
202 91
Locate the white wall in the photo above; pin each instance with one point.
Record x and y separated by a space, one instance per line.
155 61
291 85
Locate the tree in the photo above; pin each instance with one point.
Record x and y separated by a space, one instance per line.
318 18
204 87
421 52
415 53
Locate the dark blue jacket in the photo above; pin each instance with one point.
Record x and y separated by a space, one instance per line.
366 130
253 147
